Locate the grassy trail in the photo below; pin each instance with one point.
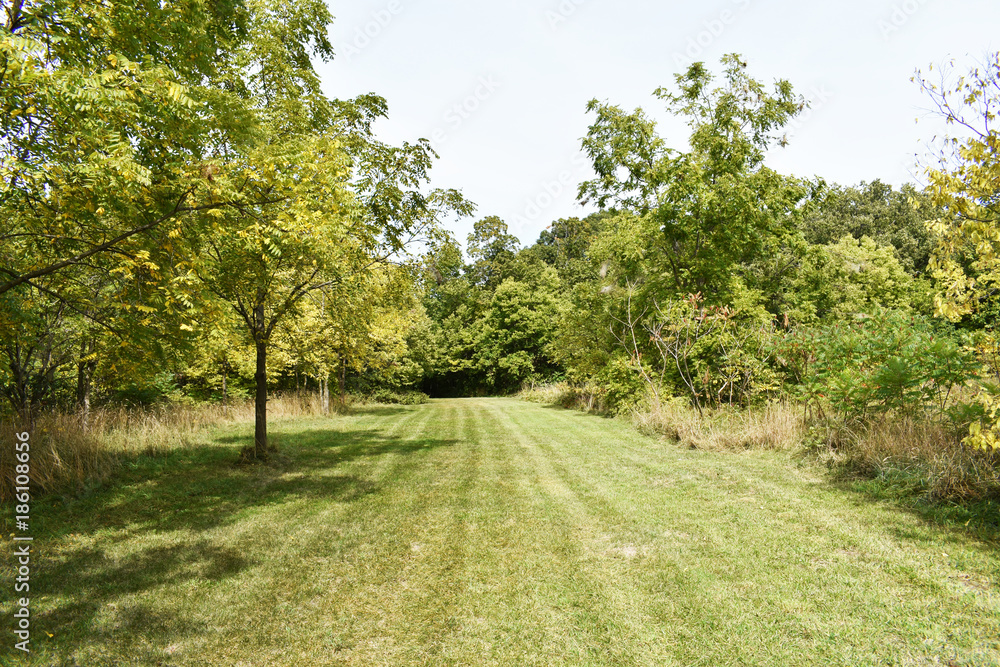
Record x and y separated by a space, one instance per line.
497 532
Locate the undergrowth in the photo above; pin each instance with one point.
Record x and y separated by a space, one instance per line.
910 457
70 455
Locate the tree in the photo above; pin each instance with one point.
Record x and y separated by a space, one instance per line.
695 216
896 218
840 281
359 324
491 248
120 124
965 184
33 352
514 337
109 113
565 244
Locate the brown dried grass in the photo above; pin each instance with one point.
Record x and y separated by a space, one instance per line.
926 451
66 456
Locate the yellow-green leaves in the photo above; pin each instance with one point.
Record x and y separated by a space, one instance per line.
966 185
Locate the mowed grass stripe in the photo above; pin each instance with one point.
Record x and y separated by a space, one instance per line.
759 528
589 615
496 532
373 577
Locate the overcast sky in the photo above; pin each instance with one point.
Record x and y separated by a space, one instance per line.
501 88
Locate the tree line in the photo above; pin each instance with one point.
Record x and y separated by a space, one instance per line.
185 215
177 189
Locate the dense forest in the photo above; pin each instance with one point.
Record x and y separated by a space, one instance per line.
185 218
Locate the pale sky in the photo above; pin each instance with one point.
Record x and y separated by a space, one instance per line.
501 87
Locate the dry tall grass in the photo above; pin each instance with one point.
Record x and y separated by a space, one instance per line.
776 426
923 451
66 456
586 399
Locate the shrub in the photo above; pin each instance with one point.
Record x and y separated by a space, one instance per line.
621 387
717 355
886 362
386 396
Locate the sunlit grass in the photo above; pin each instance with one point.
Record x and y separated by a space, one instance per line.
497 532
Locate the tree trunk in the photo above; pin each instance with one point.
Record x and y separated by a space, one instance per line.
260 403
324 394
85 403
84 381
225 373
19 393
81 374
343 380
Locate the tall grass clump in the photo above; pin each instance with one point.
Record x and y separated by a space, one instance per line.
588 398
69 454
777 426
914 456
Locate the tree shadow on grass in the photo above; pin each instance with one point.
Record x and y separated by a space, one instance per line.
89 594
201 488
908 490
97 613
940 523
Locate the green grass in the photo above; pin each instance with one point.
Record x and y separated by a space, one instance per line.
498 532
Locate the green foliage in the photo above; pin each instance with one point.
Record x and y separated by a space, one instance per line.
516 332
118 120
386 396
697 214
713 355
494 321
583 342
565 245
622 388
838 281
492 249
964 185
887 361
889 217
162 160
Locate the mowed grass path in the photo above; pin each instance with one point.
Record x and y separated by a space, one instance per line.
498 532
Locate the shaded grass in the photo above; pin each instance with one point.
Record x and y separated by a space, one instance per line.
926 458
72 455
495 532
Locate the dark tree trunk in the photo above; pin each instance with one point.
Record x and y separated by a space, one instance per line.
343 380
19 393
84 380
260 403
